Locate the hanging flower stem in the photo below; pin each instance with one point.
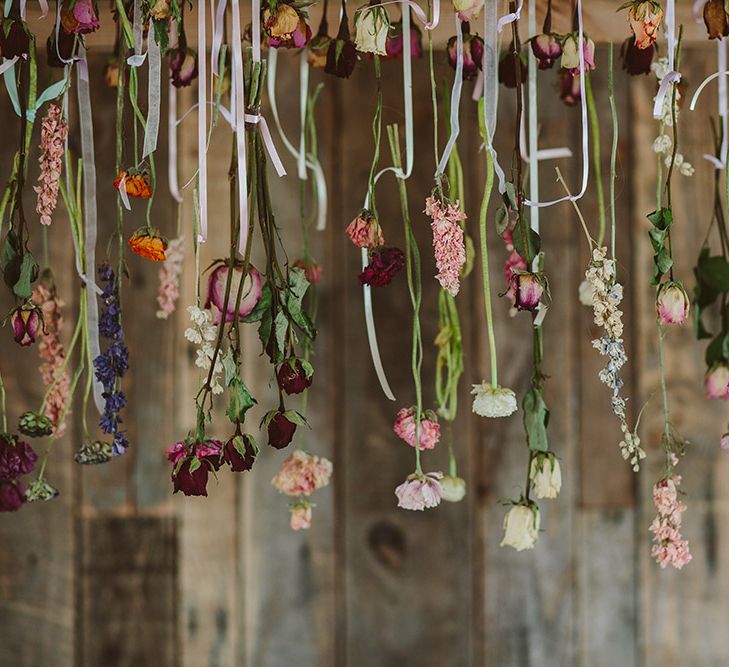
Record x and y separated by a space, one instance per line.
614 148
596 161
412 263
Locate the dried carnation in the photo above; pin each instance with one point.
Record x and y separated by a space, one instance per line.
490 401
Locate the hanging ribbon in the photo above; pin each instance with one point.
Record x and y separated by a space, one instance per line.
256 31
123 195
672 77
533 157
172 143
90 218
455 101
541 153
303 102
721 73
202 123
310 162
154 94
43 7
138 36
217 36
510 18
7 64
57 32
240 128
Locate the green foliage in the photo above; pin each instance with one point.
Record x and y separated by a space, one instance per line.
662 219
536 419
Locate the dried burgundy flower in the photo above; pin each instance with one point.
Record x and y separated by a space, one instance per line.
546 49
636 61
240 452
342 54
191 465
16 457
14 39
294 376
472 53
528 289
507 68
394 43
62 50
319 47
716 19
183 65
569 89
384 265
280 430
12 496
26 322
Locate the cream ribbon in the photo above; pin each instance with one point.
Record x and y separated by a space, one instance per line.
154 93
455 100
672 77
238 99
719 163
172 177
202 123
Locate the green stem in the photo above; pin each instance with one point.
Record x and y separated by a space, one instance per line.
3 405
433 87
664 393
614 148
597 166
488 187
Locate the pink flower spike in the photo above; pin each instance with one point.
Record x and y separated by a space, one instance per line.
169 278
448 242
54 130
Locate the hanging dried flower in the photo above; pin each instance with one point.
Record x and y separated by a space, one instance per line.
79 16
472 53
420 491
365 231
637 61
147 243
645 17
371 27
521 526
136 183
54 130
301 474
448 242
428 433
217 282
169 278
342 54
384 265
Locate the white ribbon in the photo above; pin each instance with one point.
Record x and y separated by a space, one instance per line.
510 18
417 10
240 128
303 100
43 7
90 220
372 334
311 163
455 100
137 60
697 11
217 36
719 163
256 31
172 143
672 77
123 195
154 93
7 64
533 157
202 123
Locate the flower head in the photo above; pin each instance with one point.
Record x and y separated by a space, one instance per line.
136 184
570 91
294 376
79 16
405 428
169 278
490 401
545 474
12 496
546 49
528 289
17 457
384 265
571 55
717 381
240 453
453 489
147 243
365 231
60 51
448 242
472 53
311 269
468 10
645 18
637 61
521 526
716 19
509 65
252 290
301 516
672 303
669 547
14 39
35 425
183 65
342 54
26 323
301 474
420 491
203 333
284 27
394 43
191 464
371 27
281 429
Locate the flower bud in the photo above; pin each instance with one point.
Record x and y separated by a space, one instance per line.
365 231
35 425
301 516
645 19
528 289
546 49
472 53
672 303
384 265
371 27
454 489
12 496
342 55
507 68
183 66
60 50
240 453
79 17
521 526
546 475
14 39
294 376
716 19
717 381
280 430
571 56
217 283
636 61
26 323
394 44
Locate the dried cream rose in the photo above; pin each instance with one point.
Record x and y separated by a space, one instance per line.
521 527
546 475
372 26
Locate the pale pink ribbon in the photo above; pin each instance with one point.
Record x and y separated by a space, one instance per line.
172 144
240 129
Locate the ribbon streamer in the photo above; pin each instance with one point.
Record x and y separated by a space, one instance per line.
533 157
123 195
137 60
256 31
240 128
510 18
303 100
202 123
154 93
43 7
172 144
90 219
672 77
311 163
455 100
720 162
217 36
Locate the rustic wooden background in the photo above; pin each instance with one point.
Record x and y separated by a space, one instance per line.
118 572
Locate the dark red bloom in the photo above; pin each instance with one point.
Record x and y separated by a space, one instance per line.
507 70
61 50
342 55
240 453
394 43
292 377
16 457
12 496
636 61
569 89
26 323
546 49
191 477
280 431
183 66
14 40
384 265
472 53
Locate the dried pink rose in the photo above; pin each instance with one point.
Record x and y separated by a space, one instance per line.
365 232
717 381
672 303
54 130
448 242
169 278
301 474
429 432
26 324
420 491
645 19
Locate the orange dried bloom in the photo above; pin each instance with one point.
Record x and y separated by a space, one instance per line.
147 243
136 184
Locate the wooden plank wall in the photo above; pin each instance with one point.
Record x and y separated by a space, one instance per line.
117 572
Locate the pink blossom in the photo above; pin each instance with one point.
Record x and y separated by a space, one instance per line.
429 433
365 231
669 547
672 303
54 130
717 382
419 492
301 474
301 517
724 443
450 250
169 278
53 355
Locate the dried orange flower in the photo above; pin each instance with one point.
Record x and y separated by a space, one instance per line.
136 184
147 243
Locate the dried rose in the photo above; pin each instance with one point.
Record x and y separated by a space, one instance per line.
147 243
528 289
136 184
365 231
645 18
217 282
294 376
569 89
342 54
183 65
472 53
672 303
240 452
26 322
636 61
79 17
394 43
507 68
546 49
716 19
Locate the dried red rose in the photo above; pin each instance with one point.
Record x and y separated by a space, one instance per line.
384 265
